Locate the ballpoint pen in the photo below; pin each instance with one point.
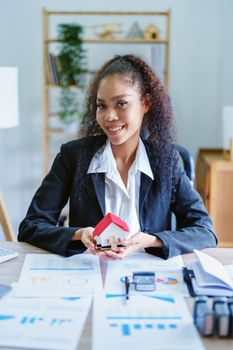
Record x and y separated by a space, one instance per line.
127 288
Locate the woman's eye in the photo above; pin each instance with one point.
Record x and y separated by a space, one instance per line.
122 104
100 106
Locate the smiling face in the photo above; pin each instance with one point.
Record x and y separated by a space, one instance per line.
120 109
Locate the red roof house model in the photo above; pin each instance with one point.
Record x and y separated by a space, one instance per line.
110 232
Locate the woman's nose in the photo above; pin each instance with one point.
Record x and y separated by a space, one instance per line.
111 115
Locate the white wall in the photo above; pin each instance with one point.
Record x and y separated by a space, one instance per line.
201 75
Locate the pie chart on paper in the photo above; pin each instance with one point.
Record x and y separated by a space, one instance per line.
168 280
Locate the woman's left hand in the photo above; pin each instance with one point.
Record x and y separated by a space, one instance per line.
139 241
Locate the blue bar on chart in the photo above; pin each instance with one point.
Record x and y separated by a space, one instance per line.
161 326
6 317
149 326
31 320
59 321
137 326
127 329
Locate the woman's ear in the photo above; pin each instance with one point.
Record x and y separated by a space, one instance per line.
146 100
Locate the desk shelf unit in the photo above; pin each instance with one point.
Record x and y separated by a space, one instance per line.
48 40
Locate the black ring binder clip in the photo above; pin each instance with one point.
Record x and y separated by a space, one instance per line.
187 277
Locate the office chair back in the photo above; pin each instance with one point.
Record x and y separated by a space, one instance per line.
189 167
186 158
188 162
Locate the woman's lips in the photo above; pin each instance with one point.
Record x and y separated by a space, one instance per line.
114 129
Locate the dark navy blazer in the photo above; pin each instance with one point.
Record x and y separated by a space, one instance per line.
170 190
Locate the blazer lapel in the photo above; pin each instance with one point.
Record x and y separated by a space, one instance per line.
146 182
99 185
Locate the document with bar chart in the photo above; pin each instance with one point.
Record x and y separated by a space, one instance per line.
54 324
145 322
168 274
51 275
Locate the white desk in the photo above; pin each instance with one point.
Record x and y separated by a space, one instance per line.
10 271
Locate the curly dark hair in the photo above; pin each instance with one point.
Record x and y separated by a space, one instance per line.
157 121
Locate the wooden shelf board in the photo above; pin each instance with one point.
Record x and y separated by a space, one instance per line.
71 87
53 113
60 132
153 13
116 41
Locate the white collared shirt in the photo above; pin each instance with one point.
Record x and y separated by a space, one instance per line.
120 200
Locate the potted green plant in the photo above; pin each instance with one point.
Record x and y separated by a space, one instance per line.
71 60
69 113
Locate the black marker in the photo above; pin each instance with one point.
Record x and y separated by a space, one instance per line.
222 316
203 316
230 306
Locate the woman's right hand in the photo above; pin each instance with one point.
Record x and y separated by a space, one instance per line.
86 236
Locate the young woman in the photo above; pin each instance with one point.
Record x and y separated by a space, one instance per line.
114 170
